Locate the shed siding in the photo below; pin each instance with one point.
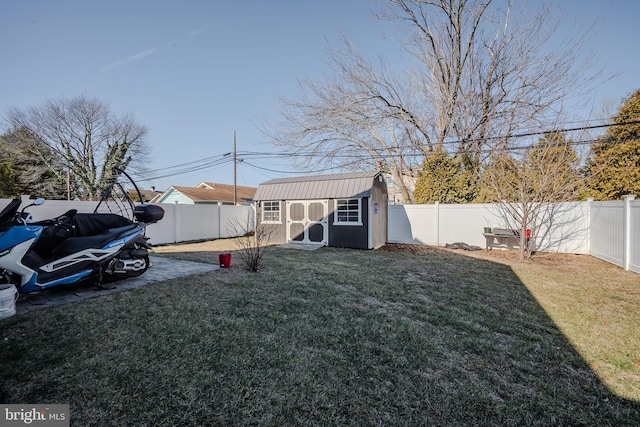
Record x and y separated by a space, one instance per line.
349 236
276 232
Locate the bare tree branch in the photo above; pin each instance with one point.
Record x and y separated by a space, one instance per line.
476 69
532 185
87 137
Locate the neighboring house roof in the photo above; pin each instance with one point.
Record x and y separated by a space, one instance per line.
341 185
243 193
211 193
156 199
150 195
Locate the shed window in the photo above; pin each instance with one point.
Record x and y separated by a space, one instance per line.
348 212
271 212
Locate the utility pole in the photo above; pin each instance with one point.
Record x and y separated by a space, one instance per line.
68 183
235 187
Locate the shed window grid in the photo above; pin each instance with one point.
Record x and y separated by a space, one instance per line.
348 212
271 212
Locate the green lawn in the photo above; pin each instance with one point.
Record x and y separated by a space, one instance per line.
343 337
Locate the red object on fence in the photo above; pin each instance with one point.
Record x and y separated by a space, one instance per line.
225 260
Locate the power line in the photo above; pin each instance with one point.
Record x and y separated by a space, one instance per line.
207 159
566 130
220 159
307 171
167 173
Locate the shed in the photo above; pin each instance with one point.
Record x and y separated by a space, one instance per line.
347 210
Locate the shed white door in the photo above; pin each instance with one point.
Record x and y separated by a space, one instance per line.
307 221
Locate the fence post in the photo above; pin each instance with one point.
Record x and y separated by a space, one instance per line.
175 221
219 220
589 203
437 223
627 230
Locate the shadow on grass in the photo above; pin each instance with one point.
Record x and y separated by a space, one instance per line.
333 336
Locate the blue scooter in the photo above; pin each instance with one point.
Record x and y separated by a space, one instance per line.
74 247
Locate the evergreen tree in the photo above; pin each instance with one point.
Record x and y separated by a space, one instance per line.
28 166
8 181
614 166
443 179
552 170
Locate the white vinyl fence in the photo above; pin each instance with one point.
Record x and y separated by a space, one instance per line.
181 222
565 231
615 232
606 230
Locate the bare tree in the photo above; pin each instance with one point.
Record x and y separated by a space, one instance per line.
87 138
476 70
253 241
349 122
531 185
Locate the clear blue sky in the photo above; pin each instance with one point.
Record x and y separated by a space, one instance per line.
195 71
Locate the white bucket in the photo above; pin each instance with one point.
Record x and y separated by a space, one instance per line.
8 298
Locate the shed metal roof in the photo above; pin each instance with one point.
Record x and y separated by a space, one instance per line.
340 185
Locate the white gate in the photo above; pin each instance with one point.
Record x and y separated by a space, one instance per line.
307 221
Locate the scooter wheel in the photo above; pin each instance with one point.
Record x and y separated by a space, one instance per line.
139 272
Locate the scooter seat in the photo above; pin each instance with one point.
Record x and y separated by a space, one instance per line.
77 244
89 225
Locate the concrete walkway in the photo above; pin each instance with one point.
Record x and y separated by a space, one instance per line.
161 269
302 246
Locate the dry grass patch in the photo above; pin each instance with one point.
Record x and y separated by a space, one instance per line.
330 337
594 304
